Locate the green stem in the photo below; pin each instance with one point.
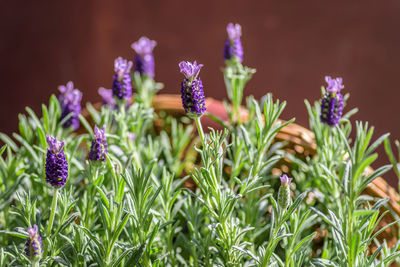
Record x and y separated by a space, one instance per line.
146 260
53 211
90 192
200 129
270 248
35 264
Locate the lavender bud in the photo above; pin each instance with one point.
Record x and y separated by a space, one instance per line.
144 60
193 99
98 150
131 136
284 192
70 101
108 98
332 102
233 45
56 163
122 85
33 244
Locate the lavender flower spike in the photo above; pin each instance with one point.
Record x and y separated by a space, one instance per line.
332 102
122 85
193 99
284 192
70 101
56 163
33 244
98 150
233 45
144 60
107 96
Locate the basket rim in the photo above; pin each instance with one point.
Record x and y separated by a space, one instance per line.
293 132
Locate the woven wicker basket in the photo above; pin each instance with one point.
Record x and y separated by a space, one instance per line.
300 142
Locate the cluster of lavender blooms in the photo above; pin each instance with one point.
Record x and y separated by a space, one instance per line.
144 60
233 45
70 100
98 149
192 93
122 81
332 102
56 163
33 244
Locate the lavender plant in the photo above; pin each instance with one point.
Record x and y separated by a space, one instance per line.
145 189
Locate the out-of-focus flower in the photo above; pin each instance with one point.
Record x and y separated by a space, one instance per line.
122 84
33 244
98 149
107 97
233 45
144 60
70 101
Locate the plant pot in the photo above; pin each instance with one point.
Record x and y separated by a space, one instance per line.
299 142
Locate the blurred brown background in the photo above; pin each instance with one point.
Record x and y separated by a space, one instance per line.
293 44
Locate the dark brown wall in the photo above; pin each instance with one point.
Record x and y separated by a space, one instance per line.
293 44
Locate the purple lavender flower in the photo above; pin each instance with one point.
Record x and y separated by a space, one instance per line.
144 60
193 99
332 102
98 150
122 85
70 101
33 244
233 45
56 163
131 136
285 180
284 192
108 98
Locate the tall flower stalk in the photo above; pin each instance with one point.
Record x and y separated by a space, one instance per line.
235 74
192 93
56 172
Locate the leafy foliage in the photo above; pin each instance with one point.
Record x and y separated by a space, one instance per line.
166 198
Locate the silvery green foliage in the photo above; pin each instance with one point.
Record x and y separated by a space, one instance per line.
392 158
162 197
